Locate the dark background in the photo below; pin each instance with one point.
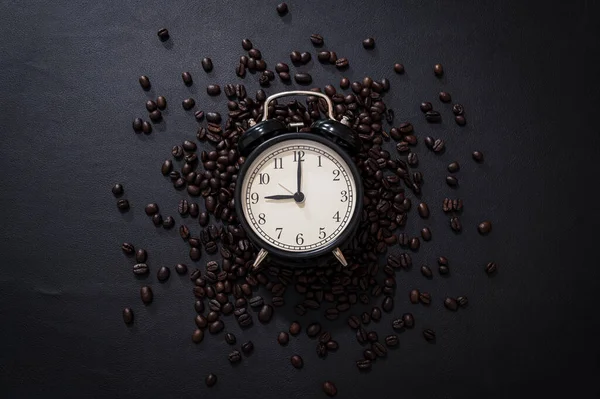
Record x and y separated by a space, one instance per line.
527 75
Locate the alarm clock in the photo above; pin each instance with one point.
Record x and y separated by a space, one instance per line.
299 195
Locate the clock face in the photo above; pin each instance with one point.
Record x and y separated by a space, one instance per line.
304 218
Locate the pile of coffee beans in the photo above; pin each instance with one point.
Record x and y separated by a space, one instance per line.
207 169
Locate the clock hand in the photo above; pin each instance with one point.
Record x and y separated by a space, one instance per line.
299 176
289 191
279 197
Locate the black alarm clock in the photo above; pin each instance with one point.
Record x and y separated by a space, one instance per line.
299 194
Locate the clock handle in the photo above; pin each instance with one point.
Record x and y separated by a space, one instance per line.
295 93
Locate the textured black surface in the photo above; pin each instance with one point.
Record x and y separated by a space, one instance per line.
526 75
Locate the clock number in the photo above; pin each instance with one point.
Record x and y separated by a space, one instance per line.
254 198
336 217
322 233
319 166
263 178
279 230
298 155
278 163
344 196
299 239
261 219
336 175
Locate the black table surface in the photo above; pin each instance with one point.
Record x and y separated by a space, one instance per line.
527 75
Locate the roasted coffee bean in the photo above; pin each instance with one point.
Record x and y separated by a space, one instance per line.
212 316
265 314
282 67
169 222
247 347
372 336
128 315
295 328
194 253
484 227
187 78
412 159
295 57
199 307
438 146
305 57
283 338
426 107
451 181
376 314
426 271
150 105
353 322
210 380
321 349
207 64
213 90
329 388
193 209
399 68
368 43
282 9
405 260
323 56
365 318
183 207
414 296
332 345
216 327
181 268
491 268
443 269
460 120
429 141
455 224
146 127
163 274
197 336
247 44
234 357
388 304
369 354
184 232
128 248
433 116
415 243
408 320
188 103
341 63
462 301
438 70
477 156
240 70
145 82
451 304
325 337
296 361
313 330
177 152
406 128
423 210
138 125
429 335
123 205
363 364
257 301
445 97
398 324
425 298
392 340
146 294
426 234
163 34
316 39
166 167
303 78
458 109
453 167
140 269
161 103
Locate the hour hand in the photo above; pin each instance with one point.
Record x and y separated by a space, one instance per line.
279 197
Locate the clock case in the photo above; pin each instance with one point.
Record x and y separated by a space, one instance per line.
329 132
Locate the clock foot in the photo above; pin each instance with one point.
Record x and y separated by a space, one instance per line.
340 256
262 254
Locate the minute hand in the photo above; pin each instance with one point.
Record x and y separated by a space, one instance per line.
299 175
279 197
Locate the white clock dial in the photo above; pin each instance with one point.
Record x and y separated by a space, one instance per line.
327 185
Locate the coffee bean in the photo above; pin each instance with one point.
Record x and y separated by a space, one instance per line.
425 298
443 269
353 322
240 70
463 301
325 337
282 9
460 120
455 224
438 146
247 347
296 361
295 328
458 109
438 70
234 357
379 349
197 336
372 336
305 57
484 227
429 335
453 167
150 105
491 268
123 205
128 315
211 380
213 90
376 314
137 125
363 364
169 222
212 316
433 117
188 103
399 68
265 314
283 338
323 56
128 248
408 320
145 82
216 327
313 330
451 304
392 340
207 64
163 274
155 116
398 324
368 43
426 271
303 78
247 44
426 234
295 57
163 34
388 304
477 156
445 97
141 255
146 294
329 388
414 296
415 243
146 127
423 210
369 354
161 103
181 268
194 253
316 39
332 345
187 78
342 63
426 107
117 190
257 301
451 181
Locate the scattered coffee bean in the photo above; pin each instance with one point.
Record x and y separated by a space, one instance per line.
399 68
423 210
187 78
137 125
305 57
117 190
145 82
296 361
491 268
429 335
188 103
181 268
460 120
392 340
414 296
283 338
484 227
207 64
353 322
376 314
163 34
313 330
213 90
408 319
426 234
329 388
426 107
453 167
141 255
433 116
146 294
216 327
282 9
128 248
128 315
123 205
451 304
295 328
197 336
247 44
163 274
265 313
458 109
247 347
341 63
455 224
387 304
438 70
477 156
426 271
425 298
451 181
161 103
316 39
211 380
368 43
445 97
463 301
303 78
234 357
146 127
398 324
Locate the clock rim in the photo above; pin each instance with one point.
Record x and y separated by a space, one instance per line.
337 242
